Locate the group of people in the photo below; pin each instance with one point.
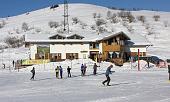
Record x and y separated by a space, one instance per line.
59 71
83 69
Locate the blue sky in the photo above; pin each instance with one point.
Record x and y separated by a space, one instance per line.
15 7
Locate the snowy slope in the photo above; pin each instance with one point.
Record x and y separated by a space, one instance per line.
147 85
38 23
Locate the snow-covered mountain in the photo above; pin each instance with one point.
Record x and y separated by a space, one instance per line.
155 25
127 83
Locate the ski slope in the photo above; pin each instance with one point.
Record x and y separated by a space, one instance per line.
129 85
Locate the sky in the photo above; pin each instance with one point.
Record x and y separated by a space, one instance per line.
16 7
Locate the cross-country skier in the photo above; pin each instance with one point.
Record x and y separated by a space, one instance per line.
169 71
69 71
57 71
61 72
13 63
82 69
95 68
108 71
33 73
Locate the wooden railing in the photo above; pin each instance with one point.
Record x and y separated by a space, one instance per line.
94 48
112 48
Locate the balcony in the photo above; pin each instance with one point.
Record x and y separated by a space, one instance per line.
94 48
111 48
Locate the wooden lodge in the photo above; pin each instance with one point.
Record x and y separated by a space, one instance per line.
117 48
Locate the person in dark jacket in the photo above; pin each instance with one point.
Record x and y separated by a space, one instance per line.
33 73
61 72
69 71
108 71
13 63
169 71
95 68
82 69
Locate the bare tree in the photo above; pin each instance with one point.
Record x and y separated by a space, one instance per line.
114 18
14 41
156 17
166 23
83 25
94 15
101 29
99 15
100 22
53 24
75 20
126 16
25 27
93 27
60 30
109 14
2 23
17 31
142 19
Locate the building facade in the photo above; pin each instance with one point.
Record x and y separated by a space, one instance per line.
106 47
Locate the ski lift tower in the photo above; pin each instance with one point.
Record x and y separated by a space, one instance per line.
66 24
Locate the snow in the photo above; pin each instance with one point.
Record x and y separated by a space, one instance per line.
129 84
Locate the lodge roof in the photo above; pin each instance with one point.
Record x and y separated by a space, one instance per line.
57 36
131 39
116 34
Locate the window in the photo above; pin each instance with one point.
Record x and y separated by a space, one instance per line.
110 41
94 46
84 56
75 36
57 37
71 55
56 56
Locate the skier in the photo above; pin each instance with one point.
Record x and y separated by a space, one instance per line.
108 71
95 68
57 71
82 69
13 63
169 71
148 62
33 73
68 71
61 72
3 65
